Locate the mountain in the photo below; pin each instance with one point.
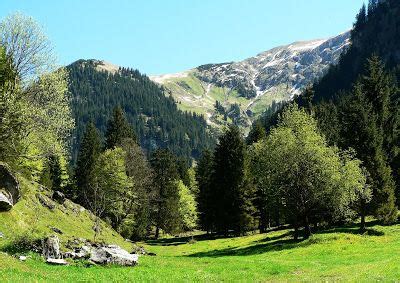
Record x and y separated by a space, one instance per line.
245 89
376 32
97 87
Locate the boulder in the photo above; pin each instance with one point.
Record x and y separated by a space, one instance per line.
56 261
9 188
45 201
51 247
22 258
113 254
58 197
5 203
79 253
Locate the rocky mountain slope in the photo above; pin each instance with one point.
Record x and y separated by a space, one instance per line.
245 89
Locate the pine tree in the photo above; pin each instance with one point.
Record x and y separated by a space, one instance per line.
257 133
166 201
361 19
118 129
89 151
362 131
205 197
52 173
232 209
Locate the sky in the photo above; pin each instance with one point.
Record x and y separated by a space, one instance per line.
168 36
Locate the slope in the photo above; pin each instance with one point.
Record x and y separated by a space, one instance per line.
97 87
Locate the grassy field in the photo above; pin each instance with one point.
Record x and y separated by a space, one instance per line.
334 255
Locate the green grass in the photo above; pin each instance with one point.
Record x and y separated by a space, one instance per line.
339 254
29 218
334 255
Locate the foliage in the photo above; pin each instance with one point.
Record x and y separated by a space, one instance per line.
294 164
33 90
187 207
111 185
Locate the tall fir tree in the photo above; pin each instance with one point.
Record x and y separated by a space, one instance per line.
257 133
230 187
364 120
166 200
89 151
205 199
118 129
52 173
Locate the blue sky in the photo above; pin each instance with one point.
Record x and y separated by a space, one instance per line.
166 36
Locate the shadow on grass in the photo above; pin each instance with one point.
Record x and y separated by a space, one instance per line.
354 229
278 245
183 240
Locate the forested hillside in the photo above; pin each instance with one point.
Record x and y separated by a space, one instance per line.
155 118
376 31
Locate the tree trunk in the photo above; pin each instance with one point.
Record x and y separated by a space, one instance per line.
157 232
296 229
307 229
362 224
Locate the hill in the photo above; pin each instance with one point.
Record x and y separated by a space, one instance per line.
97 88
252 84
30 219
334 255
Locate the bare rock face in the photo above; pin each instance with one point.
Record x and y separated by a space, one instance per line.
9 188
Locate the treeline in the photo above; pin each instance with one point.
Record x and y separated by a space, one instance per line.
309 165
154 117
138 197
356 106
290 176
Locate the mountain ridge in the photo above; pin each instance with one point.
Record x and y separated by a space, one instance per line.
254 83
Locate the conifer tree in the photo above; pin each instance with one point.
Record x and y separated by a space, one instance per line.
118 129
166 201
205 197
89 151
257 133
52 173
365 117
232 209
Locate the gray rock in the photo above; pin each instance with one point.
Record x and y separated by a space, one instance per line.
113 254
51 247
79 253
58 197
55 229
9 188
46 201
56 261
5 203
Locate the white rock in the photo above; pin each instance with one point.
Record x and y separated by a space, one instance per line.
22 258
113 254
55 261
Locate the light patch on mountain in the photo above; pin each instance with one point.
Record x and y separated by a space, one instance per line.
254 83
